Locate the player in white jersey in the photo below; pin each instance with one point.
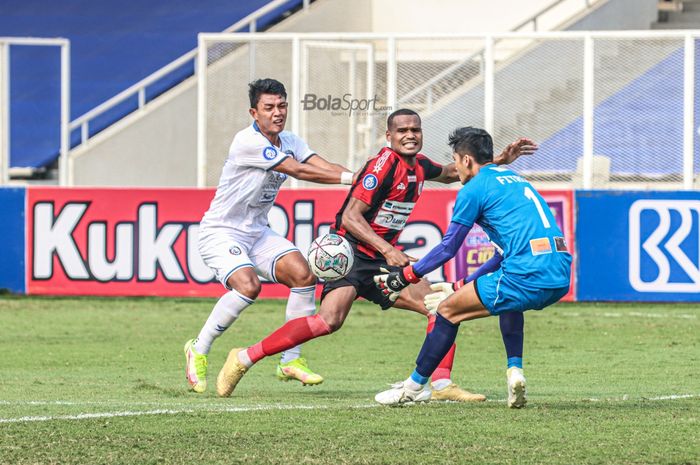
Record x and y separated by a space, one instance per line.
235 239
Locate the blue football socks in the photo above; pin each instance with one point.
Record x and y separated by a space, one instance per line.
436 345
512 330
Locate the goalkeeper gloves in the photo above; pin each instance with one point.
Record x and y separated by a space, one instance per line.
442 291
392 282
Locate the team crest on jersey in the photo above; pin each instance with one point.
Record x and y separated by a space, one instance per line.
401 187
369 182
235 250
269 153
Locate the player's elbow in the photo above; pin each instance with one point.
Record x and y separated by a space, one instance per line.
348 219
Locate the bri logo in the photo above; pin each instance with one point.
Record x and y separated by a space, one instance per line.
664 243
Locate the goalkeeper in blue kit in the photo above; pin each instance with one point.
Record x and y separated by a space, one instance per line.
534 273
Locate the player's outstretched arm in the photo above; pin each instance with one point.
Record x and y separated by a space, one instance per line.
448 175
512 152
315 170
393 282
321 162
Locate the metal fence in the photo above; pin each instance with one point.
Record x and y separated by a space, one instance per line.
609 109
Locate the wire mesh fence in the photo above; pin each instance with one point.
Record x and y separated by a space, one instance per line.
609 110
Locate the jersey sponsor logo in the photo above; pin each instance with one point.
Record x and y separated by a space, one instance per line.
381 161
271 186
235 250
391 220
398 207
412 178
369 182
270 153
560 244
658 255
540 246
393 214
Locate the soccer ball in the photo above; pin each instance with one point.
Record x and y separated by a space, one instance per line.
330 257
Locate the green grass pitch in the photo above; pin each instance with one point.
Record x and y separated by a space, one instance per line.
101 381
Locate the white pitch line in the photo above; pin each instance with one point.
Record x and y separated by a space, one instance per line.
90 416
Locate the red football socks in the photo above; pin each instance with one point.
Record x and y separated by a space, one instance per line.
292 333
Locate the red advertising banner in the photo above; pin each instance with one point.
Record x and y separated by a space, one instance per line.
143 242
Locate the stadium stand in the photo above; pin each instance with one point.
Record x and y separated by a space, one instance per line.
114 44
613 137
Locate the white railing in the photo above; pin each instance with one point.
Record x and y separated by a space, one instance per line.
5 44
533 20
587 71
139 89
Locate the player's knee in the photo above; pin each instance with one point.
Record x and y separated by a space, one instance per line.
249 287
334 323
303 279
448 311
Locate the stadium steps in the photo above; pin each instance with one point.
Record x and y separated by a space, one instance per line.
679 15
166 31
543 106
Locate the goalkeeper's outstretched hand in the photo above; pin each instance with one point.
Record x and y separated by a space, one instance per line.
392 282
442 291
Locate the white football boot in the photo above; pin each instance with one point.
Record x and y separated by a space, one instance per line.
517 394
402 395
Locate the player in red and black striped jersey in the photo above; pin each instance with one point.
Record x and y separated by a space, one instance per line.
391 186
373 215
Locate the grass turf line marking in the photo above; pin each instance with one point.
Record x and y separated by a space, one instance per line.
90 416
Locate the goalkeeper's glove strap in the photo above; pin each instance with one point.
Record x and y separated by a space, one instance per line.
409 276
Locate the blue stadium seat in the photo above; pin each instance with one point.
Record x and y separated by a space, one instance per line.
644 118
114 44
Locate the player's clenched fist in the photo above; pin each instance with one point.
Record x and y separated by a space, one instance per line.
392 282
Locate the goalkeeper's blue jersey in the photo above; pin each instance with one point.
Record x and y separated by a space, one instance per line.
519 221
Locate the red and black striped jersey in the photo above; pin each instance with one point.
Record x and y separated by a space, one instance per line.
391 187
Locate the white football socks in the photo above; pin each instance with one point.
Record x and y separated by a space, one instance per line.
301 303
225 312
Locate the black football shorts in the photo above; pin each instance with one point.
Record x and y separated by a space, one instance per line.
360 277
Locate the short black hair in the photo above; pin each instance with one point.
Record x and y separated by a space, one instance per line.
264 86
473 141
400 112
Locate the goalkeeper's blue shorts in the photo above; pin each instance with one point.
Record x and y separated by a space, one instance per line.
502 293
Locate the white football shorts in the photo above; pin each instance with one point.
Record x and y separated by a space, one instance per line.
224 254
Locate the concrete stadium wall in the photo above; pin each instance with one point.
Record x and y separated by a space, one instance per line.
147 148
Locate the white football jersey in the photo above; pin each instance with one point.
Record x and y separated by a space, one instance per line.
248 185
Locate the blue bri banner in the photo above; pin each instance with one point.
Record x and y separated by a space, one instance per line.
638 246
12 224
